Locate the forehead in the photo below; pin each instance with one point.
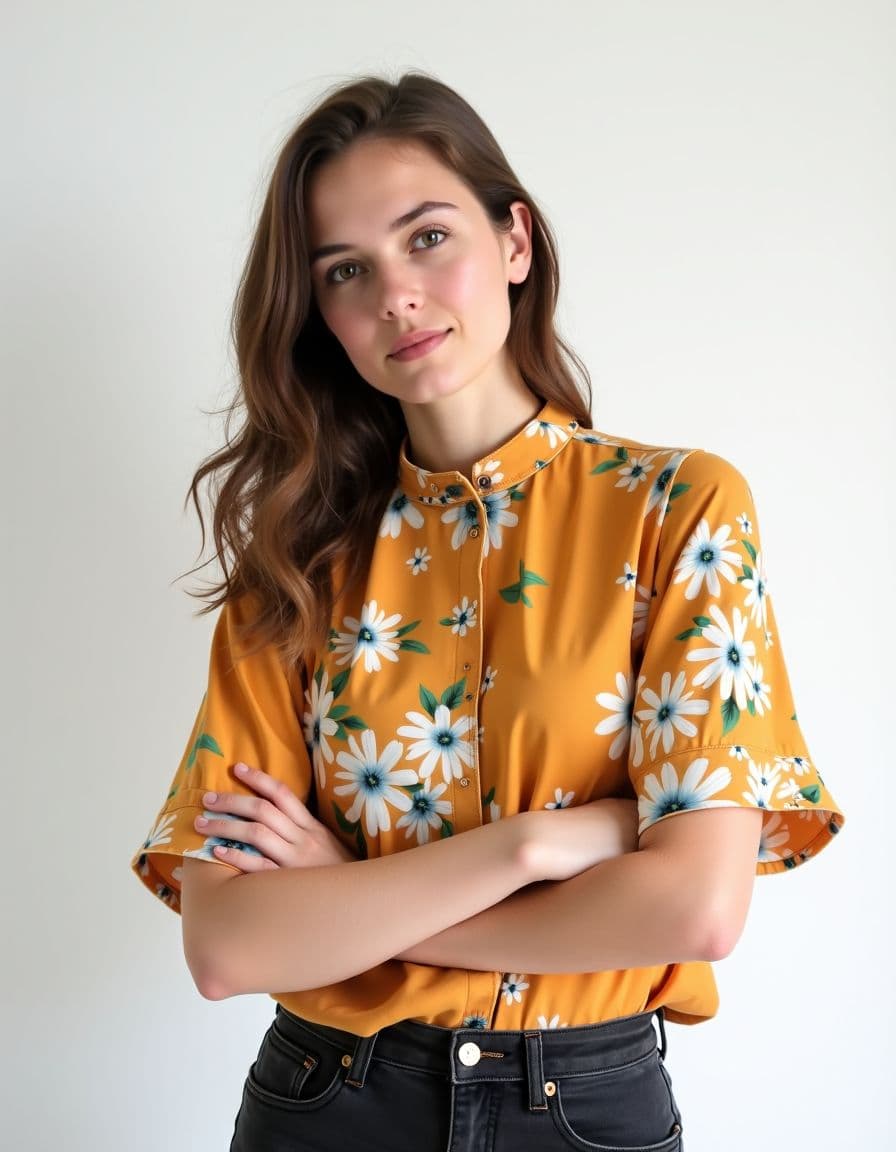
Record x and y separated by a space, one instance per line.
374 181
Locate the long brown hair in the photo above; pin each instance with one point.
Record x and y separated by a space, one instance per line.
298 491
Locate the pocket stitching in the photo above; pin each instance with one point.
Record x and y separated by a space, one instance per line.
670 1143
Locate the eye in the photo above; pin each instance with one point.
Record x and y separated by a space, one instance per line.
334 277
432 230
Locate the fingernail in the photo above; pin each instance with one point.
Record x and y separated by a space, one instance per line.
241 768
201 821
210 797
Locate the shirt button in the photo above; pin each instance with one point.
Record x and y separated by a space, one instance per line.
484 481
468 1054
474 532
467 667
464 783
434 487
469 696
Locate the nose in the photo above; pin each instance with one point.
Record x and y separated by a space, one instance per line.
400 292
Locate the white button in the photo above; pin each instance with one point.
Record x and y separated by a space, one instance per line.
468 1054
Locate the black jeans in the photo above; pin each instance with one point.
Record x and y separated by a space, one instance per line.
417 1088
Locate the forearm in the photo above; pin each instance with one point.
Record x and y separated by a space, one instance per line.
632 911
304 928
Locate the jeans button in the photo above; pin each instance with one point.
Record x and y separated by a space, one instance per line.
468 1054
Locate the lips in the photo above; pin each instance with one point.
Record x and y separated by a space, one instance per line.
411 339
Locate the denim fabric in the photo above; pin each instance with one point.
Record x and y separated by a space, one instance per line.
417 1088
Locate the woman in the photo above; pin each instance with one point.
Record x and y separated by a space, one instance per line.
471 660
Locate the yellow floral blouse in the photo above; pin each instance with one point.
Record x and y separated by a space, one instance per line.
588 616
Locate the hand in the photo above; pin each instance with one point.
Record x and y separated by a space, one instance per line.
571 840
275 822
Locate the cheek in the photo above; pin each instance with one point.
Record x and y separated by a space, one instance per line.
345 325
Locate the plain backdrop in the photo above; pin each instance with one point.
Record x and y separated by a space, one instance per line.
721 177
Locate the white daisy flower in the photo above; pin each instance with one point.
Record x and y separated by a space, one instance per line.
439 742
798 764
641 611
491 467
206 852
374 781
634 472
628 578
319 725
757 600
660 485
494 812
373 635
622 708
426 812
463 516
731 660
760 692
400 510
474 1020
762 781
745 524
488 680
670 793
422 476
703 558
555 433
496 506
513 987
161 833
790 792
419 562
774 834
769 639
561 799
463 617
554 1022
667 711
480 735
738 751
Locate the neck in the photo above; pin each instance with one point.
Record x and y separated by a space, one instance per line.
453 432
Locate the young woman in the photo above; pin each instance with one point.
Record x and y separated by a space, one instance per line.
497 729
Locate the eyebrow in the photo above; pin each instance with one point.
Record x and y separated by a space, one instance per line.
401 222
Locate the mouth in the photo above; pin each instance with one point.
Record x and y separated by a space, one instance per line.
420 347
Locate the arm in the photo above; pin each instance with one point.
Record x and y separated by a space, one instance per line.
683 896
299 928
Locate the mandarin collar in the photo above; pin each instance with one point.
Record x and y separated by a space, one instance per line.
524 454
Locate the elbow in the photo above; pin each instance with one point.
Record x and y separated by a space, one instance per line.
204 961
718 931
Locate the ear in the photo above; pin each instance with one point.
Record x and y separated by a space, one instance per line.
518 243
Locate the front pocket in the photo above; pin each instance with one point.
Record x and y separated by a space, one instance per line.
627 1109
294 1077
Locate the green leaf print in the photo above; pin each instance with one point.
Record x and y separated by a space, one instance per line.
428 700
811 792
355 723
318 674
447 621
414 646
491 795
514 593
338 712
407 628
453 695
338 683
352 828
751 707
171 793
730 714
618 460
447 829
203 740
749 547
701 622
748 573
678 490
515 494
345 825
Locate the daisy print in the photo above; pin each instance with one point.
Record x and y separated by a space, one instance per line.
667 712
634 472
759 693
628 578
641 611
374 781
419 562
161 834
439 742
555 433
426 812
670 793
206 852
497 517
319 725
399 512
554 1022
463 516
561 799
730 658
661 484
761 781
774 835
745 523
490 468
488 680
622 707
374 636
756 583
703 559
463 617
513 987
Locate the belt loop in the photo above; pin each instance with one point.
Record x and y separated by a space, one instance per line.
659 1017
361 1060
535 1072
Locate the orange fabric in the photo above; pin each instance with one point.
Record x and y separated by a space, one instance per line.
588 616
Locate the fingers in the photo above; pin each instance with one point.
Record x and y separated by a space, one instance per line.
245 861
278 793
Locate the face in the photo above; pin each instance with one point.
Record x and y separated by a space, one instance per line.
402 248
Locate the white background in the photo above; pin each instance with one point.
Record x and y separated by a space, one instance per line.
721 177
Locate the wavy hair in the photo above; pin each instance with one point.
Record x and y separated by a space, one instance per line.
299 488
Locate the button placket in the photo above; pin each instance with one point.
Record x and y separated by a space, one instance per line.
467 801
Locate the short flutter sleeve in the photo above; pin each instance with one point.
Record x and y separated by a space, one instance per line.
714 722
248 713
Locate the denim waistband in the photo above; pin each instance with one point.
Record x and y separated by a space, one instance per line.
474 1055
